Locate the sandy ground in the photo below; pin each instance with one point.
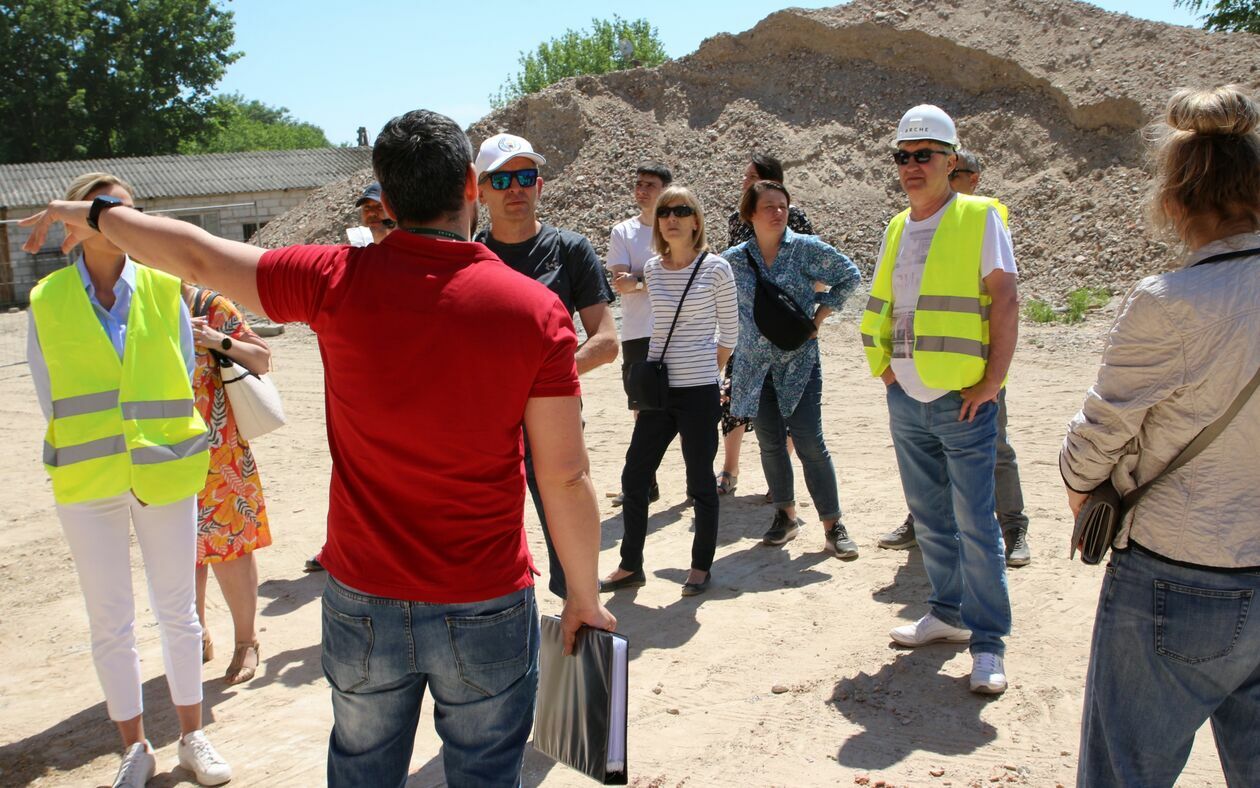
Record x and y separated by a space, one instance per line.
781 675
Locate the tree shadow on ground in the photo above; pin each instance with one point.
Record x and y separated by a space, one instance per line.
89 734
908 706
287 595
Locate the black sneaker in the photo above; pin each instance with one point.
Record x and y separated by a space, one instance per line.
782 530
901 537
313 565
1017 553
654 495
839 544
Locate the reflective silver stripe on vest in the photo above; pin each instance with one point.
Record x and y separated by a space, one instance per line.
966 347
158 409
868 340
963 304
150 455
85 403
92 450
984 311
875 305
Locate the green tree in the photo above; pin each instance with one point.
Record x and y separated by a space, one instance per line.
101 78
240 125
1241 15
596 51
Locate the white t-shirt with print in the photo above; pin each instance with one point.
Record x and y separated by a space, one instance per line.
631 245
996 254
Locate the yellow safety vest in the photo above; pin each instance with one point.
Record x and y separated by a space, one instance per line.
118 425
951 318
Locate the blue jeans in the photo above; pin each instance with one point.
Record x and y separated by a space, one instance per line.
479 659
947 475
805 424
1173 646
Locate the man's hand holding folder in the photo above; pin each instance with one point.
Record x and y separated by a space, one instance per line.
572 618
562 469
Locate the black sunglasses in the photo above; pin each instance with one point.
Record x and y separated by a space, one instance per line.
921 156
503 179
681 211
960 172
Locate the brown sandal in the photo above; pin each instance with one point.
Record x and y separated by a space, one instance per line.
207 647
245 661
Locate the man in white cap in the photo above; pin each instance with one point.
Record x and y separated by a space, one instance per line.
509 185
940 330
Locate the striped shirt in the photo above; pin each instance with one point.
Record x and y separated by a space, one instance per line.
709 317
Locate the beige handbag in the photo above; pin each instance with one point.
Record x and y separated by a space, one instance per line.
253 398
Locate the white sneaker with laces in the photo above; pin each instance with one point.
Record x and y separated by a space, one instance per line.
138 766
928 629
988 674
197 755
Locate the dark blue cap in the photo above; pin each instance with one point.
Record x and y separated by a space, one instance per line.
372 192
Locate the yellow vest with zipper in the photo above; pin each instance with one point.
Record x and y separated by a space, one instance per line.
951 318
118 425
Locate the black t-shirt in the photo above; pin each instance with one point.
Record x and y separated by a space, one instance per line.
564 261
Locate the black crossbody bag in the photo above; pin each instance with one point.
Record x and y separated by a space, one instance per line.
1099 519
647 382
778 317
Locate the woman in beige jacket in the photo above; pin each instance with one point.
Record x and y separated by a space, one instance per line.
1177 633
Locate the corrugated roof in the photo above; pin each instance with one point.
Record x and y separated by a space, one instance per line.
34 184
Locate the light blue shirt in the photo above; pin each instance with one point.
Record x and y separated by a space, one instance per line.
113 321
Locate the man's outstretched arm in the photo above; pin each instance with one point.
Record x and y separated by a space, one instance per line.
169 245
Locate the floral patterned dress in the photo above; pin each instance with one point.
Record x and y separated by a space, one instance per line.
231 512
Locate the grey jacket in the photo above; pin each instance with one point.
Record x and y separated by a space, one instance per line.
1183 346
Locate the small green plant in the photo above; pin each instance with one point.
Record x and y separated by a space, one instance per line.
1082 299
1039 311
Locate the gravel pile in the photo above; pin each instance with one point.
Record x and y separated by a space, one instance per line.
1052 94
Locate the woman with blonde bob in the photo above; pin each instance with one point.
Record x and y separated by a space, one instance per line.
1177 633
111 354
692 292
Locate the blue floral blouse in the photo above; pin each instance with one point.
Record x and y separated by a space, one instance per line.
802 260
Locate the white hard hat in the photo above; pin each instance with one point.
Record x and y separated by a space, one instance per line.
927 122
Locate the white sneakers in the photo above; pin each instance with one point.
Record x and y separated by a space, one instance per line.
197 755
138 766
988 674
928 629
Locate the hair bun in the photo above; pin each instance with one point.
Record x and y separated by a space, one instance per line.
1219 111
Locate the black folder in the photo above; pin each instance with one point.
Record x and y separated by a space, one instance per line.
581 718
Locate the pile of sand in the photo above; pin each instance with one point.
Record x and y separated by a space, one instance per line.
1052 95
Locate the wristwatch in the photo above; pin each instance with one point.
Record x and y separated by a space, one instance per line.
638 283
102 203
226 344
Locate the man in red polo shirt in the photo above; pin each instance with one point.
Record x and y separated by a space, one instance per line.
431 579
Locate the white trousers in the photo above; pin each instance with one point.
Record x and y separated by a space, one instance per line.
98 533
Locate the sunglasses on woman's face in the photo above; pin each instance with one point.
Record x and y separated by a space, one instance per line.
503 179
681 211
921 156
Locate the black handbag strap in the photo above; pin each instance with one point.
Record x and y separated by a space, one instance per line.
1213 430
202 300
681 298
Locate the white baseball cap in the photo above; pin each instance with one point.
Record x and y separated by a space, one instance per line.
926 122
502 148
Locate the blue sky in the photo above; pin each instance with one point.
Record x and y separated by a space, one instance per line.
343 65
